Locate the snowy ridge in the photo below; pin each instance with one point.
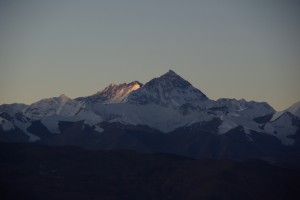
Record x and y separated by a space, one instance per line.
282 128
234 113
6 125
168 90
164 103
12 109
165 119
52 110
293 109
61 105
113 93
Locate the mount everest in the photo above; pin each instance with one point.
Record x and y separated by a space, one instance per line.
167 114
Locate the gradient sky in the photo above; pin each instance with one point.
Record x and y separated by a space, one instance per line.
233 49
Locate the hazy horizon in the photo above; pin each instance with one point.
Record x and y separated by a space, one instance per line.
227 49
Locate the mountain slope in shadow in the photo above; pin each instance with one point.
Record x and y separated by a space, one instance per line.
30 171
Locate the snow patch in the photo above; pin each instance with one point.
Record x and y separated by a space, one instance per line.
98 129
282 128
164 119
226 126
6 125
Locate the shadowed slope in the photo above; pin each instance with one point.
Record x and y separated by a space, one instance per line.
40 172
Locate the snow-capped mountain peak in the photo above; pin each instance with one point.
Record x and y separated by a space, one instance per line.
61 105
63 98
171 73
295 109
169 89
169 79
114 93
165 103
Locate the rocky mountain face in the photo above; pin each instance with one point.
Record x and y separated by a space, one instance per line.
168 90
167 114
112 93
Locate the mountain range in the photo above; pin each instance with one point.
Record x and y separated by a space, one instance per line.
167 114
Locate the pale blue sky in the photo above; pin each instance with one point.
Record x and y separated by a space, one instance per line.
226 48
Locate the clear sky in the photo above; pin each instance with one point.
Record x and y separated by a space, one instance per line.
226 48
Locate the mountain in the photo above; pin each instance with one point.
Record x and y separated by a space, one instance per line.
6 125
61 105
167 114
164 103
112 93
293 109
168 90
49 111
